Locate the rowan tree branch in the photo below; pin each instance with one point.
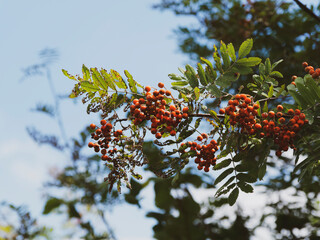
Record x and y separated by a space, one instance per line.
307 10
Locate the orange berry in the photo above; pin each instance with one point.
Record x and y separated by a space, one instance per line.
199 138
279 108
290 111
293 83
297 112
282 120
92 126
172 107
271 114
173 132
305 64
185 110
168 93
264 115
185 115
155 93
204 135
294 77
103 122
222 111
158 135
256 106
243 96
247 100
90 144
147 88
160 85
302 116
258 126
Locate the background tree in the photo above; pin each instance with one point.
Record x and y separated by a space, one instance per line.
166 221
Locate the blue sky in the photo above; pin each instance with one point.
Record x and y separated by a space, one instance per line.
111 34
100 33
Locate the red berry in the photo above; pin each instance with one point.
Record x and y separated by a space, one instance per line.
147 88
290 112
158 135
279 108
271 114
199 138
160 85
103 122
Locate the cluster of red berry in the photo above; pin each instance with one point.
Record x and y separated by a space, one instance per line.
103 136
164 118
315 73
205 153
242 112
283 130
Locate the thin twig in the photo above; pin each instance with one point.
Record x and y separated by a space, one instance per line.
307 10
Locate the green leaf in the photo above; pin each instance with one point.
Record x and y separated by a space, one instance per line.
209 64
225 163
73 213
244 177
283 86
180 83
276 64
108 79
218 193
270 93
259 109
184 97
214 115
117 79
268 66
245 48
233 196
65 72
242 69
223 175
298 98
131 81
88 86
98 79
276 74
202 75
175 77
224 55
85 72
249 62
262 171
226 80
197 93
305 92
231 52
191 76
214 90
262 69
265 107
52 204
247 188
311 84
217 60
